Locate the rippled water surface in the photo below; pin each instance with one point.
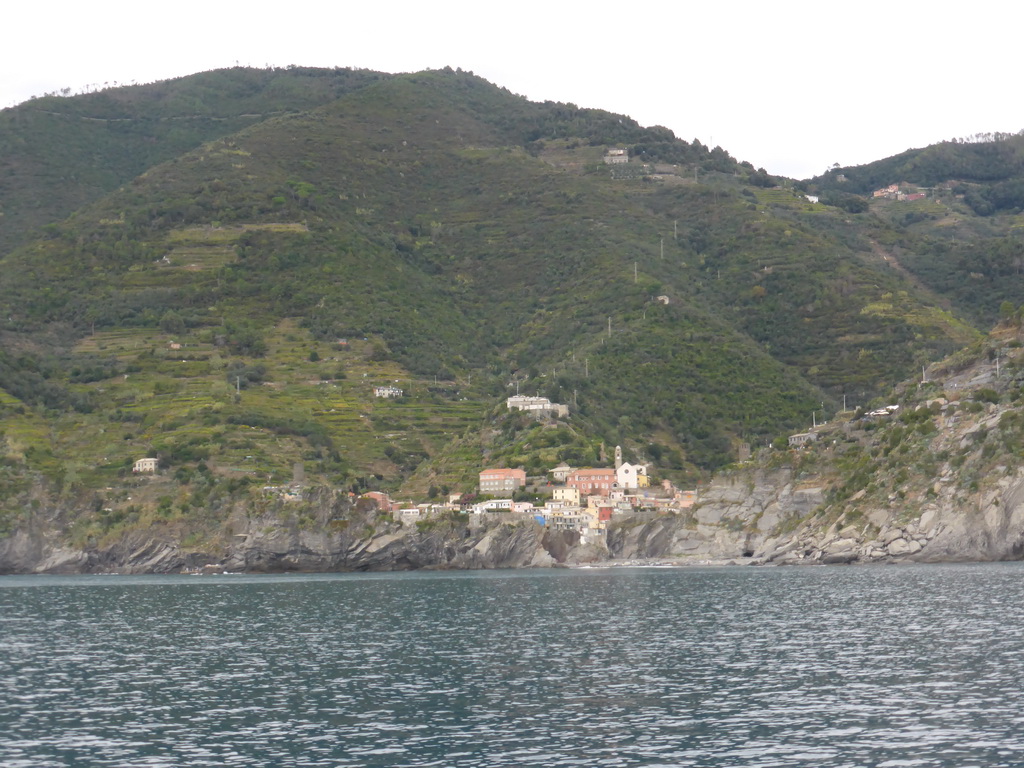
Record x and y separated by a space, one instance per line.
899 666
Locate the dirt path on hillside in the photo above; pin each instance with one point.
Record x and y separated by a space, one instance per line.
893 262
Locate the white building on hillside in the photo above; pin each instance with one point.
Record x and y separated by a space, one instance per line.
616 155
537 405
631 475
144 465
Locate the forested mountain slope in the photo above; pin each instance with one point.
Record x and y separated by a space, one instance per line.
955 224
59 153
228 303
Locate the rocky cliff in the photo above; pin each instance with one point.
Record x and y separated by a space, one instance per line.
937 476
749 516
737 517
757 518
328 535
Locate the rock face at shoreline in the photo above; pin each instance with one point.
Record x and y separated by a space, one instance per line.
759 518
955 526
745 517
934 485
274 541
736 517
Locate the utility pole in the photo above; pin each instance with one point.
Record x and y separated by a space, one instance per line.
586 368
609 326
634 271
675 229
663 249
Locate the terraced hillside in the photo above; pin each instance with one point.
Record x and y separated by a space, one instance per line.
230 309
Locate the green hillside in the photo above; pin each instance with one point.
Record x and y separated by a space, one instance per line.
59 153
231 303
983 160
964 238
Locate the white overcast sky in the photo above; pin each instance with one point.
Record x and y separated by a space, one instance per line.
791 85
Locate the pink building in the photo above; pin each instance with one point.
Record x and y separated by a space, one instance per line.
592 481
500 482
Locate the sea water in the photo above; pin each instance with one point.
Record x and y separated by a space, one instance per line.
816 666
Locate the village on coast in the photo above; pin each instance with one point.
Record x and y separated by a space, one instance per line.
584 500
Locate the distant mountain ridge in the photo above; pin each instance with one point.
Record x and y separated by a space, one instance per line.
994 163
59 153
963 239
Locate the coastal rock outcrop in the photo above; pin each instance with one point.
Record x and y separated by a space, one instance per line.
274 541
940 482
737 517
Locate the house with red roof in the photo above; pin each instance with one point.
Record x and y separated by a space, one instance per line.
502 482
592 481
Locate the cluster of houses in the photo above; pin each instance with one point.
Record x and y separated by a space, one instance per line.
893 192
580 500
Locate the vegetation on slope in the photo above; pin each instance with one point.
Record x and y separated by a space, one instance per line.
58 153
456 238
